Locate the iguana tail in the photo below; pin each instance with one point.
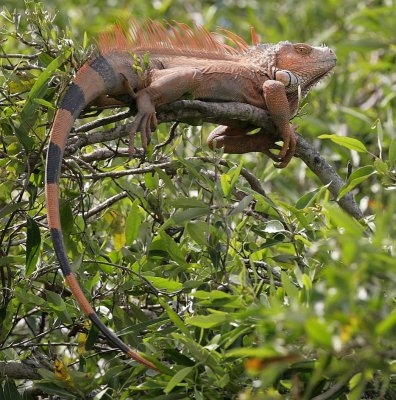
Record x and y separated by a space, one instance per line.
104 74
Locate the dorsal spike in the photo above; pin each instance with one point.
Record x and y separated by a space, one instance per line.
235 39
254 36
172 38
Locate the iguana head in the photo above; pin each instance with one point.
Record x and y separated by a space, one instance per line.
306 64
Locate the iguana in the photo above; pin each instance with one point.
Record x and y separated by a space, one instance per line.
156 64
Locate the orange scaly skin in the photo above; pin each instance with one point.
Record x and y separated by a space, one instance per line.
182 61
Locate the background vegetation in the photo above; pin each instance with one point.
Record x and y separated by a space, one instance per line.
242 293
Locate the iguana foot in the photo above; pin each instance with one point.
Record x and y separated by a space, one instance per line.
238 141
288 149
145 121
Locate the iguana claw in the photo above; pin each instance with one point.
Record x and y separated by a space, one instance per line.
145 121
288 149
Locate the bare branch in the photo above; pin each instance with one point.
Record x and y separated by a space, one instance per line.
105 204
20 56
26 67
327 174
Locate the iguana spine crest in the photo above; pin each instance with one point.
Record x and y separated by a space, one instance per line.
177 39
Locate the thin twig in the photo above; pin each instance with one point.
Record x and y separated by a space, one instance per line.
20 56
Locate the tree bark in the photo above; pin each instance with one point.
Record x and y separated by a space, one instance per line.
18 370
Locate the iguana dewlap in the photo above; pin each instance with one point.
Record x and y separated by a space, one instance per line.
157 64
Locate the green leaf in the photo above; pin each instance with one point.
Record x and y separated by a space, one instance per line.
236 172
28 299
56 303
166 179
52 388
10 208
33 241
274 226
260 352
380 135
242 205
290 289
193 171
358 176
133 222
92 338
392 152
212 295
187 202
386 325
198 231
10 391
151 180
174 318
66 216
318 332
343 220
208 321
349 143
381 166
164 284
164 244
225 181
200 353
309 198
180 217
229 179
361 172
177 378
85 40
44 103
217 298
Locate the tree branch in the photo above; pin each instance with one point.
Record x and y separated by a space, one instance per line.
18 370
195 112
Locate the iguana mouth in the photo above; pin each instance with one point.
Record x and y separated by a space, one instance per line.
318 78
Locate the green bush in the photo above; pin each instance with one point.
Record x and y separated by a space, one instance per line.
241 292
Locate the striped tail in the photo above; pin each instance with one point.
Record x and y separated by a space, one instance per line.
95 78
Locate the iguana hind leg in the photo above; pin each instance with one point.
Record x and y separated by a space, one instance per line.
238 141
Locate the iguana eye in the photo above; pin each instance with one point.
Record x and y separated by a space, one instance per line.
302 48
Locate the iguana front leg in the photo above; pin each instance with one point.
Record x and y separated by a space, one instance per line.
238 141
279 109
166 85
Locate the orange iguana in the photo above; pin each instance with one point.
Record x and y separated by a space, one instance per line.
156 64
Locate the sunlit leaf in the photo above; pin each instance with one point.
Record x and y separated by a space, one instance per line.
348 142
207 321
392 152
358 176
164 284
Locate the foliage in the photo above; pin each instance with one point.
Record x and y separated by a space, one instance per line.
242 294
